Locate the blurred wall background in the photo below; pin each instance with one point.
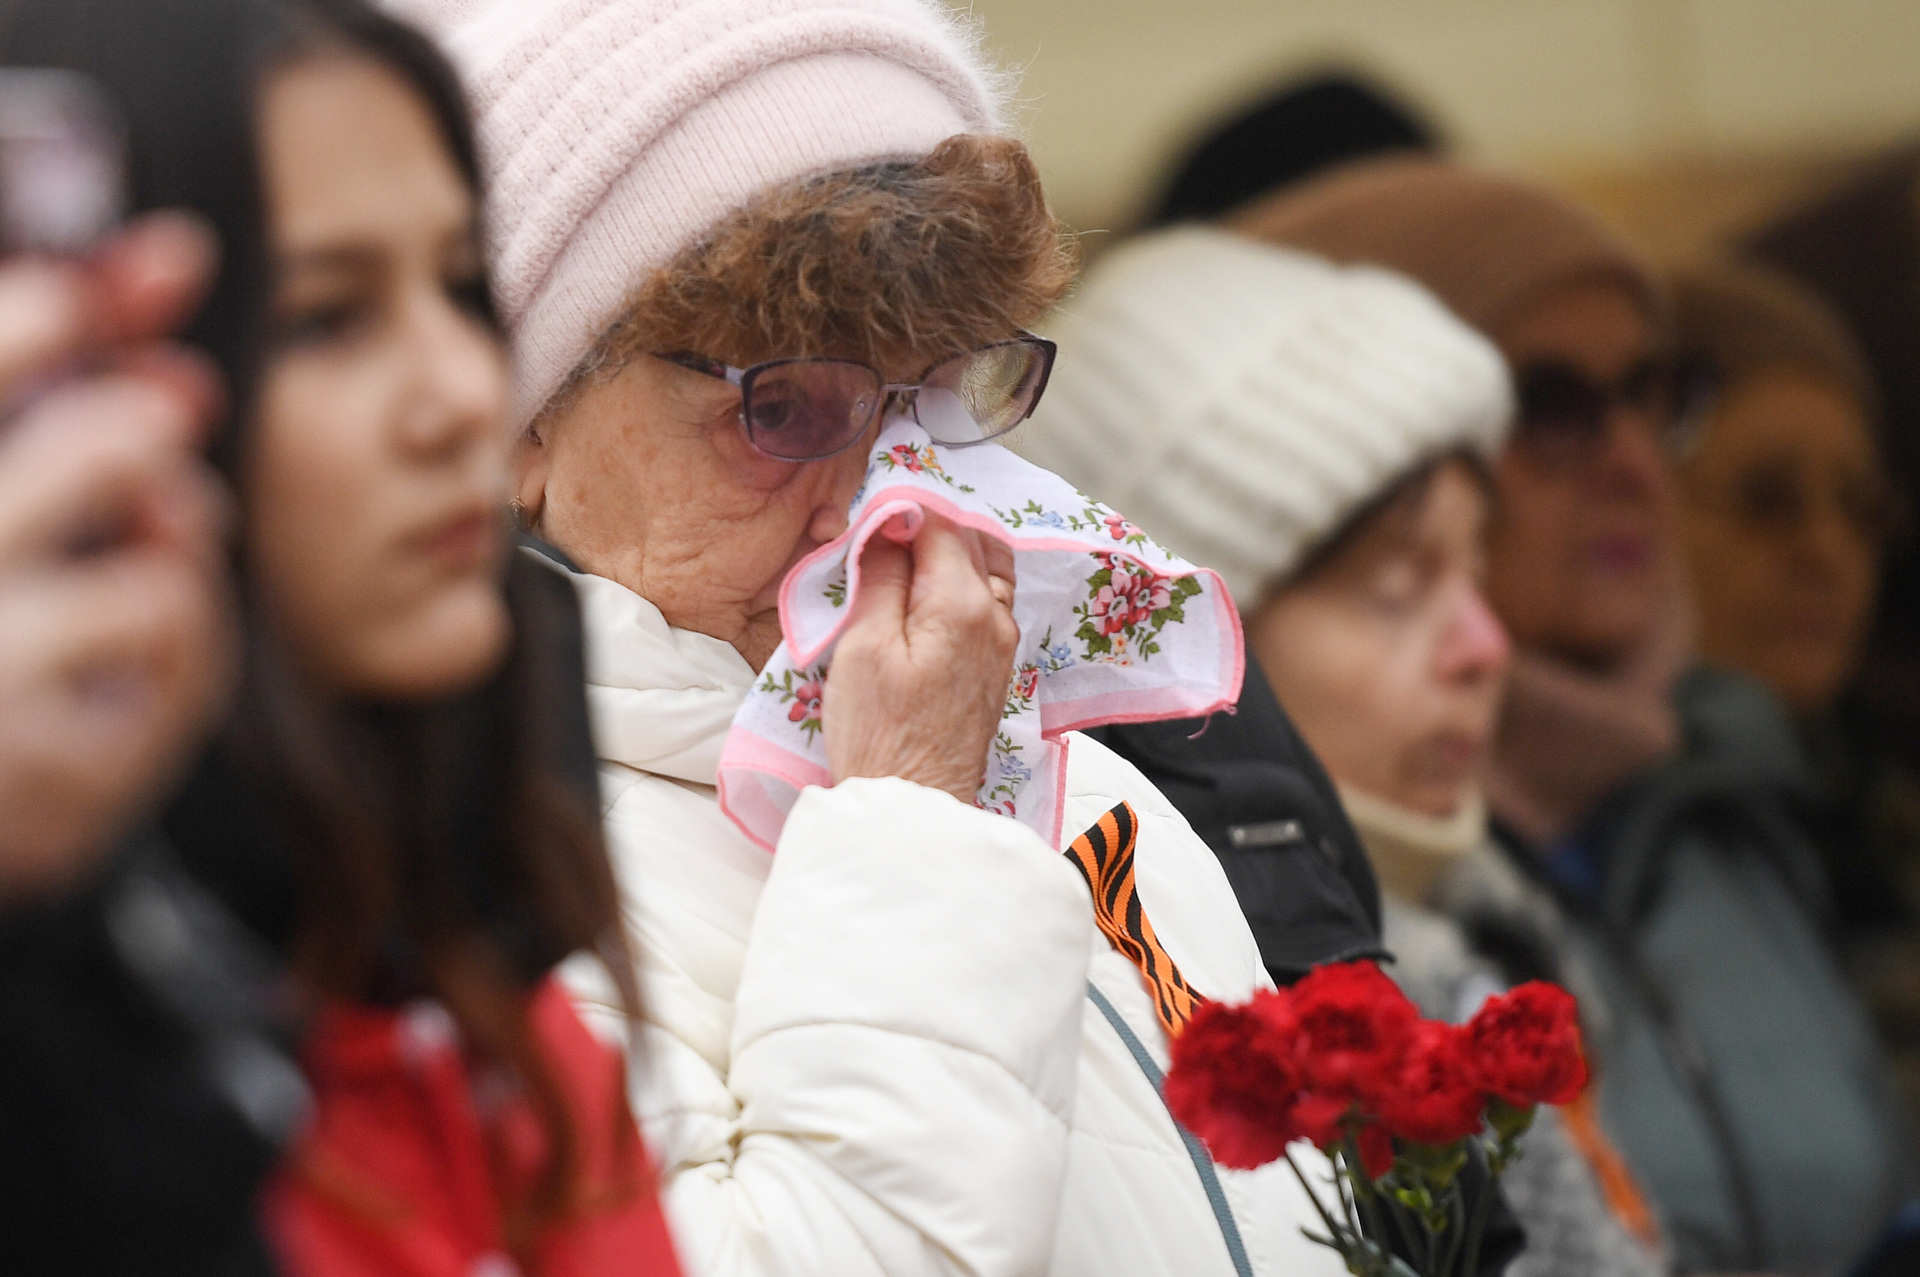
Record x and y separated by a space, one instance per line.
1681 119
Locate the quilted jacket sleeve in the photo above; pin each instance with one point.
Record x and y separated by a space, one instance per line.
890 1089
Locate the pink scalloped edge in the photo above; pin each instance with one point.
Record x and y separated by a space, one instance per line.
749 806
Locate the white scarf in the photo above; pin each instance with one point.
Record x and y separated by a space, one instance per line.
1412 853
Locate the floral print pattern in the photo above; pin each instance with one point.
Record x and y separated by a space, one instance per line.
1090 517
1128 606
1007 775
1055 657
802 699
914 460
1024 688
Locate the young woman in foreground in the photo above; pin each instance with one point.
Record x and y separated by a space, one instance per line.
401 807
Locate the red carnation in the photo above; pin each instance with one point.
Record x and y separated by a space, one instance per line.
1233 1080
1525 1046
1435 1096
1354 1027
1376 1150
1317 1116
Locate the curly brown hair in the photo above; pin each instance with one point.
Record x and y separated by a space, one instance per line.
897 264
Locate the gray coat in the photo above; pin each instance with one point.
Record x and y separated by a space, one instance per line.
1737 1071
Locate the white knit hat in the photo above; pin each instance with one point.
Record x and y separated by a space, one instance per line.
1239 402
615 133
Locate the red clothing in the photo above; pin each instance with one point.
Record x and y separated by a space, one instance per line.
393 1177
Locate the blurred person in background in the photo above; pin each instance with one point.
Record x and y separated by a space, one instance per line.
1856 245
1738 1072
875 1050
1322 435
1299 129
400 811
1786 509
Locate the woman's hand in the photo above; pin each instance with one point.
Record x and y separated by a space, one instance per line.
919 679
114 642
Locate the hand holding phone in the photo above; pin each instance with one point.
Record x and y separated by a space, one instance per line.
115 650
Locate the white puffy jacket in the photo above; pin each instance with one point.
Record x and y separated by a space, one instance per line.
875 1051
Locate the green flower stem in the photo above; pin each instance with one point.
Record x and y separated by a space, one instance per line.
1479 1224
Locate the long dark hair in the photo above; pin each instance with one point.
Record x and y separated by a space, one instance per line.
448 849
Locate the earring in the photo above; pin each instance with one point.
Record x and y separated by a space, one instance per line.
517 510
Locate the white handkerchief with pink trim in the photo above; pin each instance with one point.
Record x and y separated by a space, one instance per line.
1113 629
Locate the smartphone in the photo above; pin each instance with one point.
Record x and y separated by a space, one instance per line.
63 146
63 188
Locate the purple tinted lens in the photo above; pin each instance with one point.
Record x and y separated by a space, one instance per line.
809 408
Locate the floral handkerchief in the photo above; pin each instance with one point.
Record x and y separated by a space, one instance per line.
1113 629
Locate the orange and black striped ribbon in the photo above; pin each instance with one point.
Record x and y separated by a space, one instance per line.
1617 1183
1104 856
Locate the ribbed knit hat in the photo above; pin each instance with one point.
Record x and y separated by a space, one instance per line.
1240 402
615 133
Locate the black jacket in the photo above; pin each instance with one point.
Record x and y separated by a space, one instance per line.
144 1087
146 1075
1250 786
1252 789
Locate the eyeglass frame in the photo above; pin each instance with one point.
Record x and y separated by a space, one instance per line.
739 378
1692 385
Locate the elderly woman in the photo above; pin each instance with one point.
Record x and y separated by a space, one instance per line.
1737 1072
727 234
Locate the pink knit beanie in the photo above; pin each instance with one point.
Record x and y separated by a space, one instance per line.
616 133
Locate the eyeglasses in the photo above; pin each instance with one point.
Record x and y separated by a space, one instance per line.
1566 416
806 409
1780 499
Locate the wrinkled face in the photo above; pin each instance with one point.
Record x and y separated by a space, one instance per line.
1783 510
375 483
1388 656
648 478
1578 564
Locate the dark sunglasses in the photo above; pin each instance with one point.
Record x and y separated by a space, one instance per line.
1565 415
806 409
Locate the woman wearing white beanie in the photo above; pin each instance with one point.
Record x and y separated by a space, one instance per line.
1321 434
897 1045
